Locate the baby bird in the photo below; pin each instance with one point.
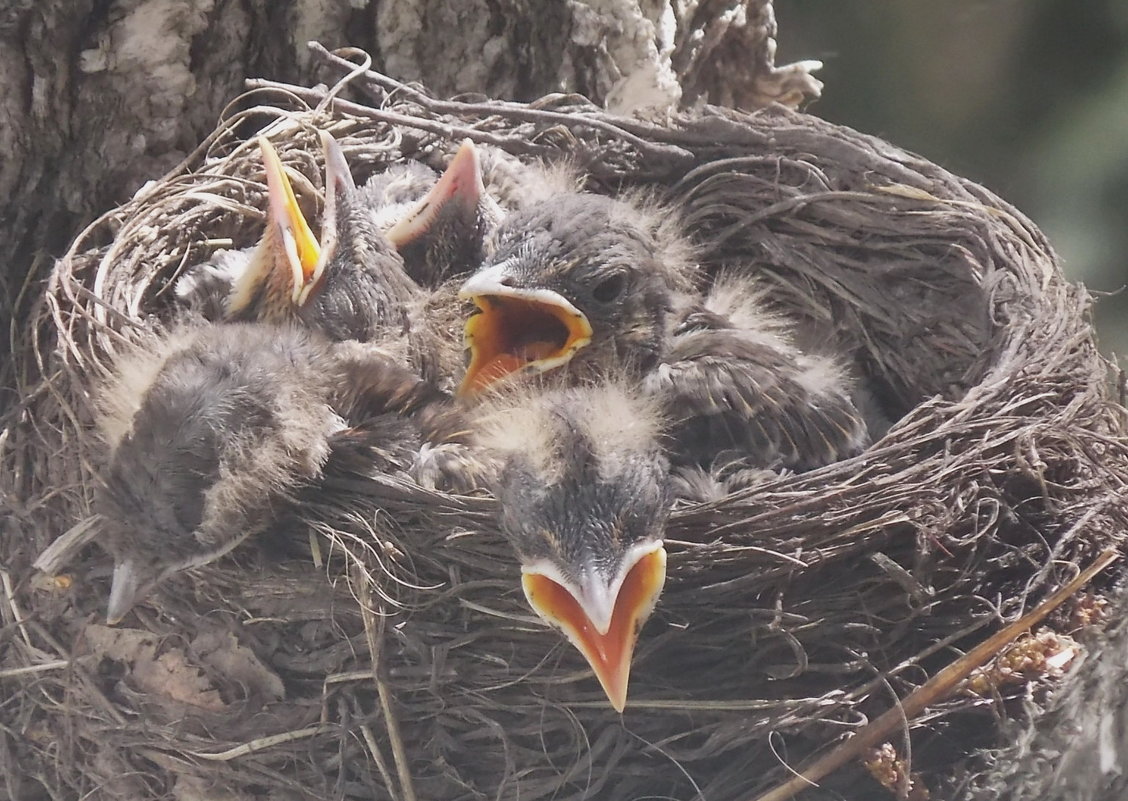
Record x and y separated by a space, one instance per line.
735 389
350 285
584 280
211 430
589 283
439 224
583 489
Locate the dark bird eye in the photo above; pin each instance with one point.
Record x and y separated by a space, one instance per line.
610 288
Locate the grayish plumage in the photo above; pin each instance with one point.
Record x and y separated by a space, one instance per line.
733 386
212 430
583 488
738 392
203 290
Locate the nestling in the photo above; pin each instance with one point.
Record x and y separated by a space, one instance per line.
438 223
211 430
584 280
736 389
590 283
349 285
583 490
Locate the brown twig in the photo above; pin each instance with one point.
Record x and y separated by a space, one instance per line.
593 119
935 689
374 633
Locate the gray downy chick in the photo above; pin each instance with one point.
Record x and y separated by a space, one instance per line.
583 488
591 284
211 431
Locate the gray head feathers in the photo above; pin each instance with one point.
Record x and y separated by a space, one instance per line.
579 472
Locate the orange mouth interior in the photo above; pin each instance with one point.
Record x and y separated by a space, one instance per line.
608 654
509 334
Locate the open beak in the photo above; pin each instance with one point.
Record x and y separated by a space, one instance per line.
302 251
457 192
517 330
338 184
601 619
125 591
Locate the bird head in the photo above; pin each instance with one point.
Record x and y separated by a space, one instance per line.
443 233
207 430
287 258
291 272
153 496
583 279
583 491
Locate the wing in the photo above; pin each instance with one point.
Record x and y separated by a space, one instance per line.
743 391
400 422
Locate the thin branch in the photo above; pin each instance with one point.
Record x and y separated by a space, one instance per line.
935 689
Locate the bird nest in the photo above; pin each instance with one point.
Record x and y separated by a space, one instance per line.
376 644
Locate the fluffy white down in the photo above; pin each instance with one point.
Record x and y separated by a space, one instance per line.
619 421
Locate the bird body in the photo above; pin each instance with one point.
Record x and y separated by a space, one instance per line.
590 284
211 430
734 386
582 485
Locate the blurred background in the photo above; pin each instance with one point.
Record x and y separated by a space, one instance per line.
1027 97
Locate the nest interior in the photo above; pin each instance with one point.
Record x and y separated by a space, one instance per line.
404 662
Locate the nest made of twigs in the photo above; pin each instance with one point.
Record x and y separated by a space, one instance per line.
405 664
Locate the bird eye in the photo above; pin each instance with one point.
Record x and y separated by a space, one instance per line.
610 288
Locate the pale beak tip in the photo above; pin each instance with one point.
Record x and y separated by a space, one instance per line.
125 589
618 700
614 679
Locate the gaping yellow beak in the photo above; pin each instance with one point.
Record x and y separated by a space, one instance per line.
517 330
603 622
300 246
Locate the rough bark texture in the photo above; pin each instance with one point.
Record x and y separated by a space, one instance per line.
98 97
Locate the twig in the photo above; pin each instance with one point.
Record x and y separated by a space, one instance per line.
377 755
374 632
66 546
260 744
933 690
45 666
10 598
517 111
80 670
357 110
